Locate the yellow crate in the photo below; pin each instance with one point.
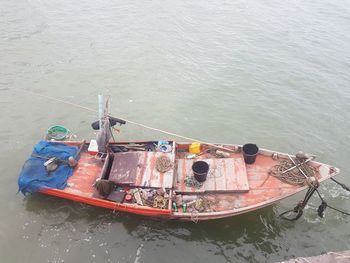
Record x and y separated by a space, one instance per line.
195 148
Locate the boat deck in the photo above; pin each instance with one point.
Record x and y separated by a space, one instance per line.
87 171
138 169
261 186
225 175
243 188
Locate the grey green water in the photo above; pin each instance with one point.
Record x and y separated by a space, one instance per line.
271 72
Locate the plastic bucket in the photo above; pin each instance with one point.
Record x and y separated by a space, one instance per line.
57 132
200 170
250 151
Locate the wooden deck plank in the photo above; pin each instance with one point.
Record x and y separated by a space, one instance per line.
139 169
216 175
225 175
85 174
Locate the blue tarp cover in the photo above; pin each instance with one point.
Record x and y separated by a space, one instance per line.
34 175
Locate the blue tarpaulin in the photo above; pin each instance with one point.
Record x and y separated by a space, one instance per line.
34 175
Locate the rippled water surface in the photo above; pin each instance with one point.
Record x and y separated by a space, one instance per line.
271 72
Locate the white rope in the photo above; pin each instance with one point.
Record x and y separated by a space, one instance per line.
129 121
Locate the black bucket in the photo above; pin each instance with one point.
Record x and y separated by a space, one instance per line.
250 151
200 170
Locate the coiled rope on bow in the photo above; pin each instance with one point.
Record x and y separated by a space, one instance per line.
284 172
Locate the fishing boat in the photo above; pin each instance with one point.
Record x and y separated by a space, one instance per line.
159 179
167 179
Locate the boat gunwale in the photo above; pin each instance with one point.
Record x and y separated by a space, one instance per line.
168 213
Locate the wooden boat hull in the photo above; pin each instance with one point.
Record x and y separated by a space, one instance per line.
264 190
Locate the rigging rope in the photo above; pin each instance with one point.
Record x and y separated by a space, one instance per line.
324 205
341 184
298 209
129 121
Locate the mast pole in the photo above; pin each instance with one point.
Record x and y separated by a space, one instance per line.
100 109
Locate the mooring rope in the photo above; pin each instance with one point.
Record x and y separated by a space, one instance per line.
324 204
299 208
132 122
341 184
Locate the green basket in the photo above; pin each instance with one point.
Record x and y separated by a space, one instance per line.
57 132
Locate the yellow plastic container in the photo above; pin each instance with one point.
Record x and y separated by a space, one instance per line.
195 148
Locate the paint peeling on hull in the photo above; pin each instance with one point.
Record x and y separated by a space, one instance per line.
260 190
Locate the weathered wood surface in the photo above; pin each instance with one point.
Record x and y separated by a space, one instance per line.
264 190
225 175
87 171
139 169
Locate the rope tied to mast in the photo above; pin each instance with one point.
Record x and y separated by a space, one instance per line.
133 122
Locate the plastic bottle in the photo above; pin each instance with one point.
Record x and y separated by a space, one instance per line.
184 207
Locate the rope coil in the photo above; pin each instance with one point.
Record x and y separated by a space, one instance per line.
293 176
163 164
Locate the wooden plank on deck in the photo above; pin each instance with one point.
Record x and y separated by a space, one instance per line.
225 175
139 169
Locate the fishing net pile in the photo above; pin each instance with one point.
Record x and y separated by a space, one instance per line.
34 175
294 176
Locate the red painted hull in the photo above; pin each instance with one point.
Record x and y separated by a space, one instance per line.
264 190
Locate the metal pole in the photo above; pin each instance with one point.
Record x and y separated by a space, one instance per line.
300 164
100 109
298 167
